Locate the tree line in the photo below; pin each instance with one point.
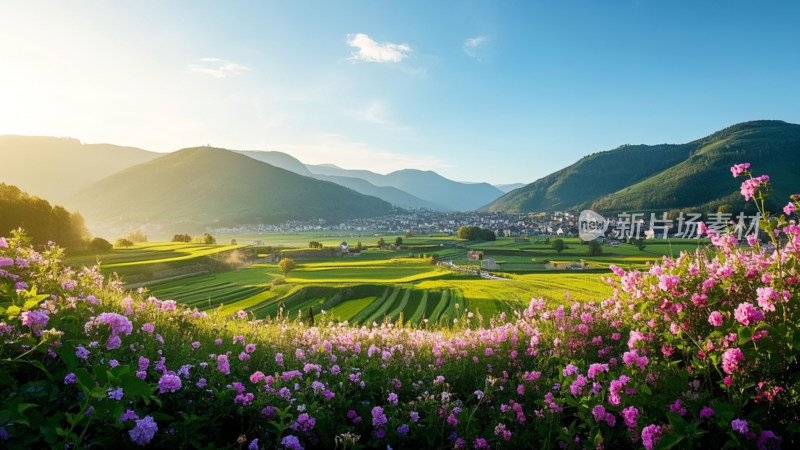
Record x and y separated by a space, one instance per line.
41 221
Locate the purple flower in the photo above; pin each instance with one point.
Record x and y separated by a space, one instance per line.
223 365
81 352
128 415
291 442
414 416
378 417
115 394
144 431
70 378
253 444
630 414
35 319
740 425
706 412
392 399
402 430
481 444
169 382
304 423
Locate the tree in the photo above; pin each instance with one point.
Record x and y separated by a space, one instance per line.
99 245
381 243
595 248
136 236
209 239
398 242
558 245
181 238
122 243
359 247
233 242
286 265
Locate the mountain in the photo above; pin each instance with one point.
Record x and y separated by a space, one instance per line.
695 175
278 159
200 187
509 187
57 168
387 193
443 194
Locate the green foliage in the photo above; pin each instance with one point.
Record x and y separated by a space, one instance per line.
181 238
286 265
99 245
41 221
595 248
209 239
122 243
398 242
136 237
558 245
475 234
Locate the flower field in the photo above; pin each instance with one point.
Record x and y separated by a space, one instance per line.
696 351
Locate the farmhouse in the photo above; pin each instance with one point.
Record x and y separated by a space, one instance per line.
475 255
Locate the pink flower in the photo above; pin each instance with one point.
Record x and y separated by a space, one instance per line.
730 360
747 314
789 209
739 169
715 319
765 297
650 436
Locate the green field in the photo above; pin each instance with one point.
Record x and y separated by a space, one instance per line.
380 284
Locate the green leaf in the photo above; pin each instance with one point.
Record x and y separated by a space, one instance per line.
645 389
669 440
135 387
13 311
5 416
677 422
100 373
745 334
85 379
22 407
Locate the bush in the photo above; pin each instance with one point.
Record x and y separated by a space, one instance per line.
122 243
99 245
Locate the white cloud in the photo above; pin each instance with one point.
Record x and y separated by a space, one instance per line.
475 47
217 68
371 51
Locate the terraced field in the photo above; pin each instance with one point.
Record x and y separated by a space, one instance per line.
388 284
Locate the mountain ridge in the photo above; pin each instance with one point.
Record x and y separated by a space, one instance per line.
666 176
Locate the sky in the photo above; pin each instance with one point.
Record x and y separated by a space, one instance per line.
494 91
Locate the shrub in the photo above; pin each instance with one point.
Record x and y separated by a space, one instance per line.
99 245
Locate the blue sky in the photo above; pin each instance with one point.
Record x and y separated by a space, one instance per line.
478 91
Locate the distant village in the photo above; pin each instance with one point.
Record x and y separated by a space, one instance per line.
428 222
566 224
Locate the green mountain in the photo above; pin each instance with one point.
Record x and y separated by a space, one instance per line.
57 168
200 187
695 175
